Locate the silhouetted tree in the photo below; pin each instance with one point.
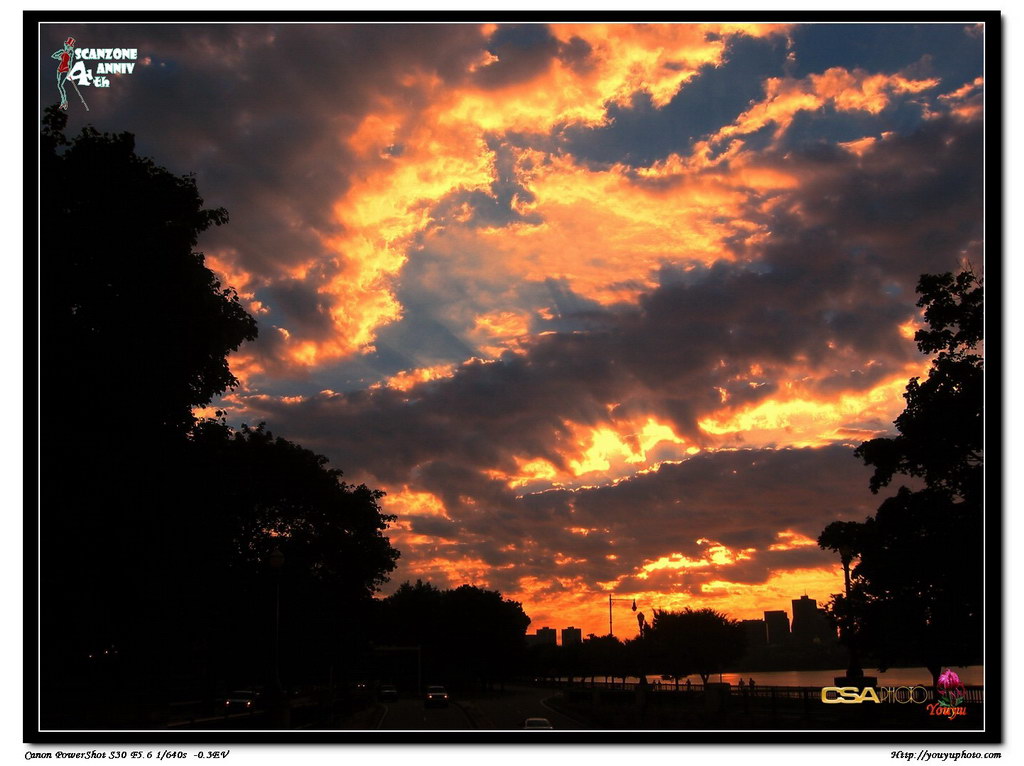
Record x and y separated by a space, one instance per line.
130 314
846 539
272 494
135 331
156 530
916 592
466 634
700 641
604 656
940 435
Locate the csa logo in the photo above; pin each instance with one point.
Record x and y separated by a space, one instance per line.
854 695
949 703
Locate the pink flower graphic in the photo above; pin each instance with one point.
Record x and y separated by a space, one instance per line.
951 689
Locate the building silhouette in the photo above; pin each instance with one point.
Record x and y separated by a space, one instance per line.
756 632
805 619
810 624
777 627
543 636
571 636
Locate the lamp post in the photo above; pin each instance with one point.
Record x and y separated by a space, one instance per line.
854 673
610 600
280 712
277 563
846 554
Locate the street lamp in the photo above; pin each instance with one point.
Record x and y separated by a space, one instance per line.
610 600
854 673
280 712
277 563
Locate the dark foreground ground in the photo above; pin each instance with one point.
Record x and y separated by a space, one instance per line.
568 709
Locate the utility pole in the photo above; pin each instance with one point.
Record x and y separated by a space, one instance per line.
610 600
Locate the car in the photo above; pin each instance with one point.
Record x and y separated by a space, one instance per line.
436 697
387 693
241 701
537 723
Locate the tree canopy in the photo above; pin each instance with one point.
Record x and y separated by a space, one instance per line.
130 312
916 592
701 641
157 529
940 432
467 635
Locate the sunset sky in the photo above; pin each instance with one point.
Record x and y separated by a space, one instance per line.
603 308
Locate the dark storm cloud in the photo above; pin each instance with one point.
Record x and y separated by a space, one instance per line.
576 54
912 204
738 499
523 51
668 354
297 305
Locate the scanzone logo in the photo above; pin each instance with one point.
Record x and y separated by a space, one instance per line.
89 67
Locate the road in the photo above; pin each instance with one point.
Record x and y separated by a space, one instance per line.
501 710
508 709
411 714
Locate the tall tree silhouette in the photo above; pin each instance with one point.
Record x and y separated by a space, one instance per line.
130 312
846 539
916 593
941 429
156 530
135 331
604 656
270 495
700 641
467 635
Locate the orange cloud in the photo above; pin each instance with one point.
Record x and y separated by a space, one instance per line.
408 379
967 102
452 570
613 451
799 418
606 234
601 231
498 331
410 502
788 540
844 90
657 59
